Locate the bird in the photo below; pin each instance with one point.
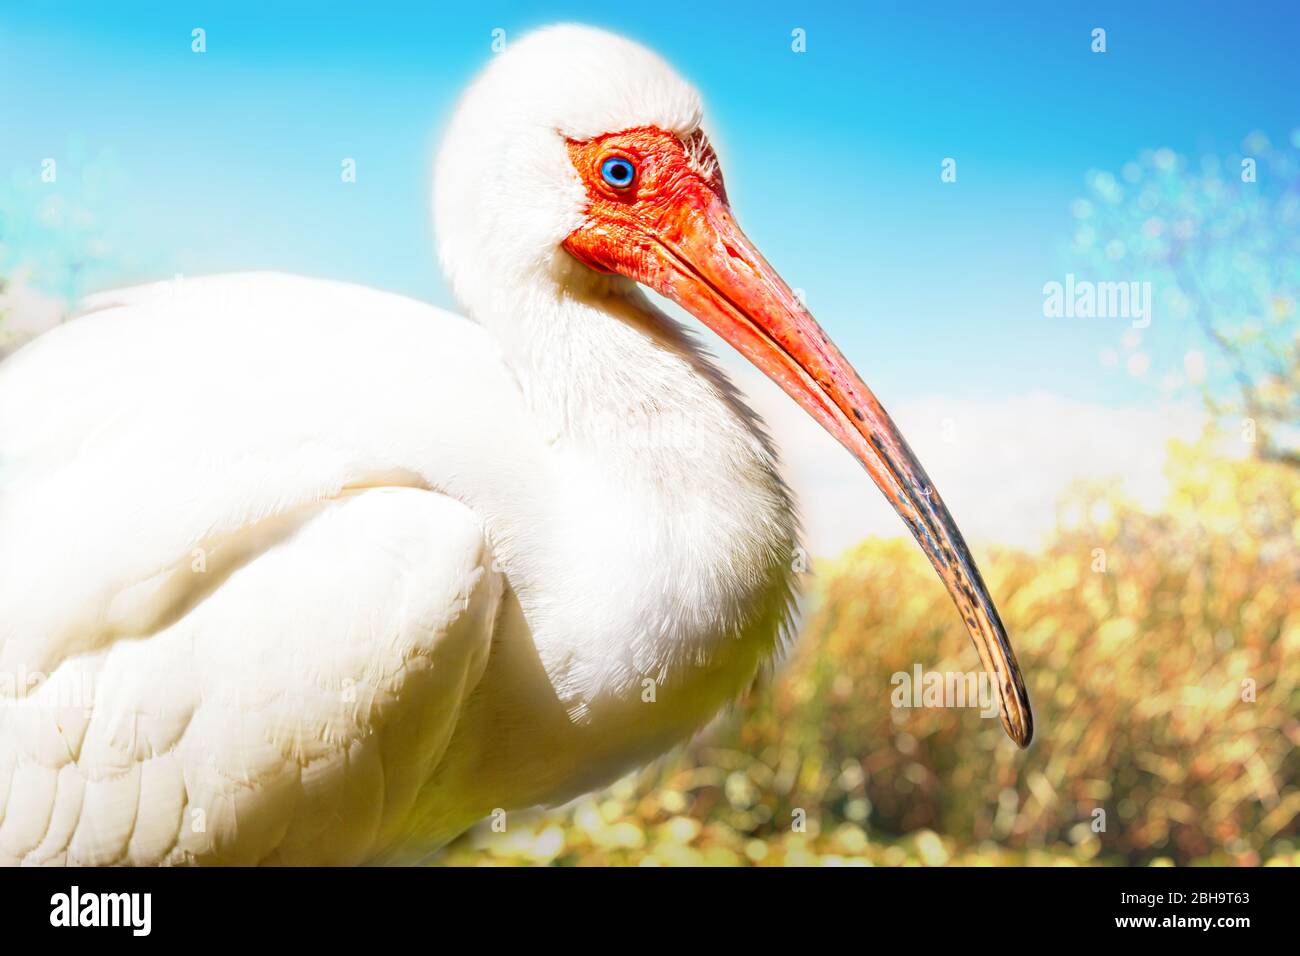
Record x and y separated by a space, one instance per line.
298 572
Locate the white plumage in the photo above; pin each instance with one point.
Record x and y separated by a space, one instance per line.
245 526
248 516
294 571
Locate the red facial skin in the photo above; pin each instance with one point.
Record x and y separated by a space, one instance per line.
623 224
672 230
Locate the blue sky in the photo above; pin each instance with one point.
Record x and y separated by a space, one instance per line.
230 159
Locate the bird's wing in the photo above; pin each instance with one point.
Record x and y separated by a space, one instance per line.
288 716
232 423
136 437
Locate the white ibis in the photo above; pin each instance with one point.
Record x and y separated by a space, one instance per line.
293 571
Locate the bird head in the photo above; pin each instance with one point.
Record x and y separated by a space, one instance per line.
577 161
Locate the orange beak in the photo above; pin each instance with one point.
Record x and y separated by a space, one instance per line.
690 250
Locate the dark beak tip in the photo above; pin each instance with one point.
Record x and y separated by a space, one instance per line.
1022 730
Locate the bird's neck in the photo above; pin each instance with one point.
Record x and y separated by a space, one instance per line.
605 373
674 508
667 575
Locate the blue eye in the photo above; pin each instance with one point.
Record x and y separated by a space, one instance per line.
618 172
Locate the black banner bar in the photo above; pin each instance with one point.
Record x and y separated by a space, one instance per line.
934 905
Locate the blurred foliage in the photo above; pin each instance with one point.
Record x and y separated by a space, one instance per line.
1219 239
50 234
53 248
1141 674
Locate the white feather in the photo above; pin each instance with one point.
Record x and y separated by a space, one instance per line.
330 555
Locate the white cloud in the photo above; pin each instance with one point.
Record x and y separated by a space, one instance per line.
1001 464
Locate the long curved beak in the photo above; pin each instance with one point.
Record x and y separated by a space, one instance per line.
702 260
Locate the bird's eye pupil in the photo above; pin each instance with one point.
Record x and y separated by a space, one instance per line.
618 172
